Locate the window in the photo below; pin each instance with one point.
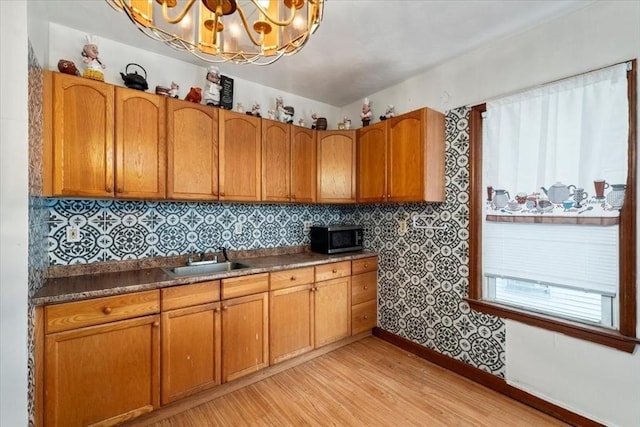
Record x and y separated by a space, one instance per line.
569 266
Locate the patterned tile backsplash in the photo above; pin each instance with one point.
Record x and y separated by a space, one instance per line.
113 230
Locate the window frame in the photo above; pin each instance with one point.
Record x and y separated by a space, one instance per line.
623 339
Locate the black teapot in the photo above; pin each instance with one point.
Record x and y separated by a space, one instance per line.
135 80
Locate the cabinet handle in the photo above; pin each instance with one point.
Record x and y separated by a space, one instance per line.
334 271
156 324
108 188
221 194
293 278
225 308
106 310
365 287
366 265
365 317
217 309
119 190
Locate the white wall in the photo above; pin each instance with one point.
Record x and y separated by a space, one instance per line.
578 375
66 43
13 213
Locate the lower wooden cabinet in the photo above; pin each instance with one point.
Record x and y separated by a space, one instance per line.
102 374
364 287
332 303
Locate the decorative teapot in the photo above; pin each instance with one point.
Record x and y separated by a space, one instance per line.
135 80
558 192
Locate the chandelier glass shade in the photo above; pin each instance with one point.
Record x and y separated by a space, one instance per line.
250 31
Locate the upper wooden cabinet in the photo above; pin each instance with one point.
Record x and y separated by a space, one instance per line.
79 137
410 150
98 147
336 166
192 151
276 161
240 157
303 165
372 163
140 145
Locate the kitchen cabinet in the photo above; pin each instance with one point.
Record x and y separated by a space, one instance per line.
79 137
303 165
240 149
140 145
415 157
336 166
191 339
402 159
192 151
332 302
276 161
245 325
291 313
102 361
364 286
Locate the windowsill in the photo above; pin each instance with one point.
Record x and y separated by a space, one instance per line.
606 337
592 213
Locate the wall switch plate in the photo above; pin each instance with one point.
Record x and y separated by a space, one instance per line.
307 226
238 228
73 233
402 230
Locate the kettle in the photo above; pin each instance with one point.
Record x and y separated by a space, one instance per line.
135 80
558 192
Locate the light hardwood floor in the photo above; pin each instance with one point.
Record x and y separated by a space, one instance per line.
367 383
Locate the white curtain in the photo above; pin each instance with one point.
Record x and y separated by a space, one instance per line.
572 131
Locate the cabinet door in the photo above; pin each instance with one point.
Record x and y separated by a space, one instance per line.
102 374
245 335
82 159
240 157
140 145
336 166
290 322
190 350
372 163
303 165
276 163
416 157
332 304
192 151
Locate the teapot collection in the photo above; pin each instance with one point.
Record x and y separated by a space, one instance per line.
558 194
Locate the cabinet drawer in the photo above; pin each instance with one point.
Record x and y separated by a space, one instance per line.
288 278
245 285
364 316
333 271
188 295
364 287
72 315
359 266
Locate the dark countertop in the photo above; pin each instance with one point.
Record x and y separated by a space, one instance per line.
100 284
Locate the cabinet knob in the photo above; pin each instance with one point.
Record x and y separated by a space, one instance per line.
365 317
106 310
293 278
108 188
365 287
221 194
334 271
217 309
366 265
293 196
119 190
156 324
225 308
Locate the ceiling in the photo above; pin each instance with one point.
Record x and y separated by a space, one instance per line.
361 47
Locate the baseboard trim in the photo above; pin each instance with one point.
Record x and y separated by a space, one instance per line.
218 391
486 379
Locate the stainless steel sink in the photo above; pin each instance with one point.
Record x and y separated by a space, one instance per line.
194 270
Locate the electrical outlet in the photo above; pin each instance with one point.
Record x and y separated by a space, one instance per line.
402 230
73 233
307 226
238 228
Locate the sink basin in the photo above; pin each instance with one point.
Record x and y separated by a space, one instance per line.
194 270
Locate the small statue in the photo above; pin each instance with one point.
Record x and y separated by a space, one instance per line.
366 113
93 64
68 67
255 110
271 114
213 88
314 120
239 107
285 114
173 92
389 112
301 121
347 123
194 95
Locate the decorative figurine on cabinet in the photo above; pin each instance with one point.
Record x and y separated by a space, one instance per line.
285 114
301 121
389 112
271 114
194 95
239 107
347 123
366 113
212 90
68 67
173 92
93 64
314 120
255 110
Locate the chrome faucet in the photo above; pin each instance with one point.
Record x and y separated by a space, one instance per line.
202 255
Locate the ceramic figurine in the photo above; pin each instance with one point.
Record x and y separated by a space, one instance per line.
173 92
389 112
255 110
366 113
314 120
194 95
285 114
93 64
68 67
347 123
212 91
301 121
239 107
271 114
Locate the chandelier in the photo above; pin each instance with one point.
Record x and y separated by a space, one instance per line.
251 31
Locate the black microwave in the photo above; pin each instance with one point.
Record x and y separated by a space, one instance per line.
334 239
